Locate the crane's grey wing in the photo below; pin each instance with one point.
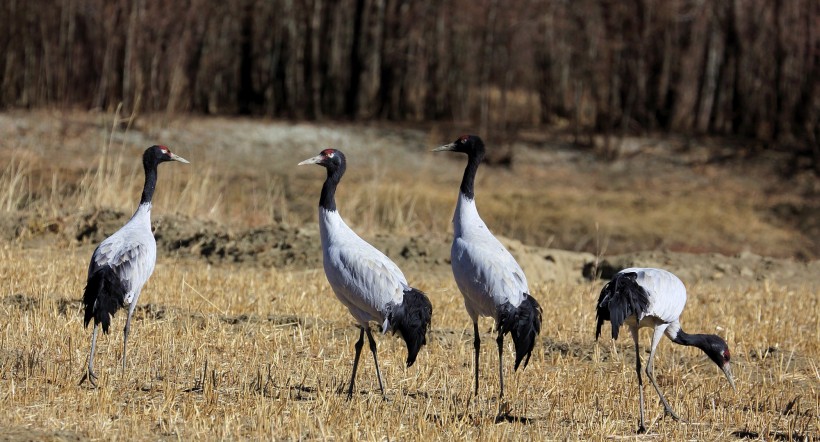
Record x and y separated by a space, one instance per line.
132 261
371 276
667 294
493 268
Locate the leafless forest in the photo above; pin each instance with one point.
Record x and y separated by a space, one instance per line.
744 67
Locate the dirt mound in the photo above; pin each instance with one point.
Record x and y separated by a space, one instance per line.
553 265
740 270
271 246
288 247
284 246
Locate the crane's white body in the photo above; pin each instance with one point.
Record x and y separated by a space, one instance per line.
363 278
123 262
131 252
486 273
657 302
667 298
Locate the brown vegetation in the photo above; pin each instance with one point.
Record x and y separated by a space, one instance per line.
235 352
238 335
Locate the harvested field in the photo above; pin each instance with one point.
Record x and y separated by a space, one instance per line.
238 335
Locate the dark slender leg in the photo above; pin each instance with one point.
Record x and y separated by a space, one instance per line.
476 346
641 426
89 374
126 331
500 341
358 347
656 339
375 359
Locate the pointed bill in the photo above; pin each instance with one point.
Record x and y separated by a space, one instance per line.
727 370
445 148
176 157
315 160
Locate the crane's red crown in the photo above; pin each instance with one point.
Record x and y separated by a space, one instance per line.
328 153
463 138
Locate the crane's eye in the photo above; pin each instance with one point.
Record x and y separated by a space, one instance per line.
463 139
726 355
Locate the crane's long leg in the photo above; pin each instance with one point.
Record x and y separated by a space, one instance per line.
656 339
634 331
372 343
358 347
126 330
477 347
500 341
89 374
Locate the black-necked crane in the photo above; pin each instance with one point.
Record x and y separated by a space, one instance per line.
655 298
489 278
367 282
123 262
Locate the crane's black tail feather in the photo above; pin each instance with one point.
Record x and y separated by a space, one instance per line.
104 295
411 319
524 324
620 298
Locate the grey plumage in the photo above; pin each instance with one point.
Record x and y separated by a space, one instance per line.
655 298
488 276
367 282
123 262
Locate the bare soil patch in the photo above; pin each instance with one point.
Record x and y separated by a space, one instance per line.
297 248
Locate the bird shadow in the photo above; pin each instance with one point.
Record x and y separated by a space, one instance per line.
773 435
442 419
301 392
512 419
342 391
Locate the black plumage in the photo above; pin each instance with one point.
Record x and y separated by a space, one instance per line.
104 294
411 319
523 324
620 298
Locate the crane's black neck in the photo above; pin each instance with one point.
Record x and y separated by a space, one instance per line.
327 200
474 158
150 166
694 340
710 344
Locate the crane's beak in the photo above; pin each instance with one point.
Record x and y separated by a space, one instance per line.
315 160
446 148
176 157
727 370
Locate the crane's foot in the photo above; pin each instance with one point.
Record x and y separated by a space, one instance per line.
504 408
91 378
669 412
641 429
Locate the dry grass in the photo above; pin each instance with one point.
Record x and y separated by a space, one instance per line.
237 352
243 175
247 352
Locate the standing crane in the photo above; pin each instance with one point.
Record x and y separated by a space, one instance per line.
647 297
366 281
489 278
123 262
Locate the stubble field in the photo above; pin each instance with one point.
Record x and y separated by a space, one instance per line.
238 334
